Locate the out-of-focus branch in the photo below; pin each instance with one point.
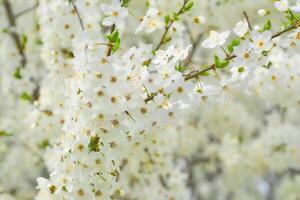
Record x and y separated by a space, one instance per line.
27 10
15 36
195 43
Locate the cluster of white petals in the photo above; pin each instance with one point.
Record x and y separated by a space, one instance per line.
149 100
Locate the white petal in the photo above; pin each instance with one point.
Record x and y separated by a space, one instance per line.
208 44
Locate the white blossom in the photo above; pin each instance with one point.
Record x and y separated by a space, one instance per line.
215 39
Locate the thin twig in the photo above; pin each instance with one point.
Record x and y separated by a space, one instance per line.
197 73
26 11
167 28
13 34
110 45
195 43
248 21
77 13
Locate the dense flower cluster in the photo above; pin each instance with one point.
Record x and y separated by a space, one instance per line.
143 100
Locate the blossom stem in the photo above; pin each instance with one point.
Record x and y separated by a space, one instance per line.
225 52
110 45
195 43
294 26
169 25
77 13
197 73
248 21
15 36
27 10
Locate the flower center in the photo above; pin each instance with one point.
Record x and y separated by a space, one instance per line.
246 55
115 14
261 43
152 23
298 36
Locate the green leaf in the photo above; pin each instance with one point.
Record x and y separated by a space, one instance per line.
26 96
279 148
67 53
94 144
115 40
188 6
116 45
234 42
220 64
17 73
44 144
125 2
114 36
4 133
180 68
175 16
204 74
241 69
167 19
267 26
24 40
269 65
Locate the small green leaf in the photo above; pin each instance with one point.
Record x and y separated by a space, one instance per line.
24 40
220 64
167 19
279 148
26 96
4 133
241 69
267 26
269 65
67 53
44 144
175 16
180 68
116 45
94 145
234 42
114 36
204 74
17 73
125 2
188 6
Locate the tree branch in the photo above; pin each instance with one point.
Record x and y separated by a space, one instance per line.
13 34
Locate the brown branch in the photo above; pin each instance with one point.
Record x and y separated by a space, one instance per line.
110 45
77 13
197 73
167 27
248 21
294 26
13 34
195 43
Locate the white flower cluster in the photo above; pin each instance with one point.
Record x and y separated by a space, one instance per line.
101 104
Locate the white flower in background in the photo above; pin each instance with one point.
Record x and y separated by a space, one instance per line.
179 53
256 27
151 22
241 28
282 5
292 41
115 14
215 39
261 41
199 20
263 12
162 56
296 8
